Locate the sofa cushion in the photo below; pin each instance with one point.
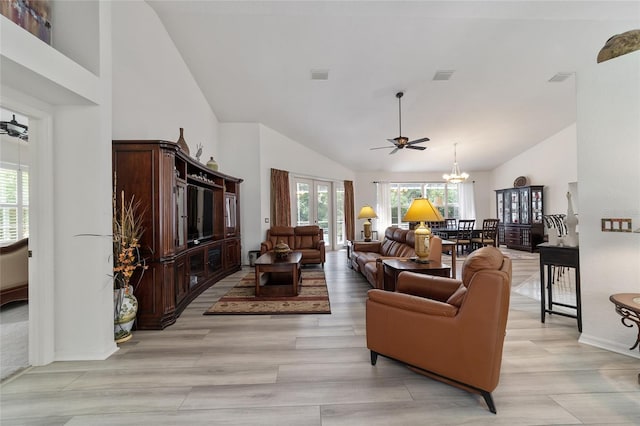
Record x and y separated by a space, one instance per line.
483 258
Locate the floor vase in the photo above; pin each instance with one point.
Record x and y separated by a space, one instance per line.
125 310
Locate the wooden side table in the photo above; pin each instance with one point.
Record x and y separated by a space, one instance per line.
393 267
553 255
628 306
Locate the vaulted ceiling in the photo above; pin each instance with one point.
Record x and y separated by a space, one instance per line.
253 62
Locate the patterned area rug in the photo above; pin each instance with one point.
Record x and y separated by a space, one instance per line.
313 298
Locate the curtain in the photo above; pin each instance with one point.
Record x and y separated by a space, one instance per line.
383 208
280 198
467 200
349 212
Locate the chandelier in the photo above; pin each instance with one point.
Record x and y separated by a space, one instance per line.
455 176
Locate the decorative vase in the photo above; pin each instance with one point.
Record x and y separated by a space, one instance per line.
182 143
211 164
571 221
125 310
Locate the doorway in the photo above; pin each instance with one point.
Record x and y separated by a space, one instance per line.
14 230
313 205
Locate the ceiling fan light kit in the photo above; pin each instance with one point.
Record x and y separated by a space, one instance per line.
15 129
402 142
455 176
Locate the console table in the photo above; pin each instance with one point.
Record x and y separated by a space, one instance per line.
628 306
554 255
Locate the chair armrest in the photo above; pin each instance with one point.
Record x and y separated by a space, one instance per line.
407 302
429 286
266 246
371 246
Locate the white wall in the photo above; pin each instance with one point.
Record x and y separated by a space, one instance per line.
552 163
154 93
70 189
608 166
240 157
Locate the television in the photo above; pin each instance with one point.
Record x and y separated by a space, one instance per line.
199 213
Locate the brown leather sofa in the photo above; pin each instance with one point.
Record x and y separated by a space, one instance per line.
14 272
307 240
366 257
447 329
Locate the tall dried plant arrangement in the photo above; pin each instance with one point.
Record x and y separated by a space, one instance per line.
127 232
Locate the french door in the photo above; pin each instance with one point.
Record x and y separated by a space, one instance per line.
313 205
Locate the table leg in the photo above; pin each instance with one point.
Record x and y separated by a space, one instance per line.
550 287
579 302
453 264
542 295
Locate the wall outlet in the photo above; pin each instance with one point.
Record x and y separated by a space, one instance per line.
266 220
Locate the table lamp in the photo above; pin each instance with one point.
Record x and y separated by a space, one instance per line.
421 210
368 213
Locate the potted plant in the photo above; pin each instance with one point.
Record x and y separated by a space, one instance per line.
127 231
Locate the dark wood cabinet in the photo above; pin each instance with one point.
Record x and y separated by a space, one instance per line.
191 218
520 211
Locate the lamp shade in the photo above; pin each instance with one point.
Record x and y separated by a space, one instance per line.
421 210
367 212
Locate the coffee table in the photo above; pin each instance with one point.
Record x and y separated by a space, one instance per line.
393 267
278 277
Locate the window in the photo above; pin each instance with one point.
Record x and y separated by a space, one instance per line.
14 203
444 196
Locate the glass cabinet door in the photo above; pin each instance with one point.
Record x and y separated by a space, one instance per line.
536 205
515 207
500 206
525 214
181 216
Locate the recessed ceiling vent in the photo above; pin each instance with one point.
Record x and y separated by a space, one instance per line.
443 75
319 74
560 77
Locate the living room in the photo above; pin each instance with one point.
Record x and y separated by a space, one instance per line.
125 83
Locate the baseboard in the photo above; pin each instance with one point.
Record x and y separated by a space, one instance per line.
609 345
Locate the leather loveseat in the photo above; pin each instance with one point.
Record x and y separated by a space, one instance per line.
366 257
447 329
307 240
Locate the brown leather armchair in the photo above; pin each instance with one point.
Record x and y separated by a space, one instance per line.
447 329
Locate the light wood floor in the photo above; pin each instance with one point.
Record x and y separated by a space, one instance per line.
315 370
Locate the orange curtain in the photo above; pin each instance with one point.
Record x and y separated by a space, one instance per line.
280 198
349 212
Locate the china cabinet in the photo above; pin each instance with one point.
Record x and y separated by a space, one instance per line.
520 211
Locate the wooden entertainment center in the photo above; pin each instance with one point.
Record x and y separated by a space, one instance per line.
191 217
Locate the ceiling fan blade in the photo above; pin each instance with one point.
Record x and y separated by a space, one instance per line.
419 148
418 141
394 151
381 147
393 141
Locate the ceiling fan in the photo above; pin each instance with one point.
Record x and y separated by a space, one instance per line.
402 142
13 128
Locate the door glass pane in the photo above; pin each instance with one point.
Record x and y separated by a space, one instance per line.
340 232
302 201
323 214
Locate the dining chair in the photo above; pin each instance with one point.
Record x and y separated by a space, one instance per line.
488 236
451 223
464 234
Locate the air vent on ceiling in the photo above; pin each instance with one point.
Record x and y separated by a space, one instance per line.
443 75
319 74
560 77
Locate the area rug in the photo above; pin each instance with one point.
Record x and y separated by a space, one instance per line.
312 298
